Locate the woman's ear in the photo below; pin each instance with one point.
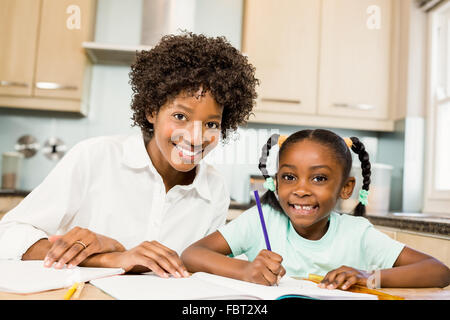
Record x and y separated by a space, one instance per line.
347 189
151 117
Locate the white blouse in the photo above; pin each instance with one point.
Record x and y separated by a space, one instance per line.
110 186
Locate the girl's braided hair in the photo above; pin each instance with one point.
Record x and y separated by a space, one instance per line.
335 143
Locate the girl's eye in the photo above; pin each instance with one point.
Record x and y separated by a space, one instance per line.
320 179
212 125
288 177
179 116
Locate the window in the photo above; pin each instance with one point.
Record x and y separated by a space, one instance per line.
437 190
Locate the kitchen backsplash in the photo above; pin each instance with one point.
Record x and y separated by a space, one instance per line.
109 111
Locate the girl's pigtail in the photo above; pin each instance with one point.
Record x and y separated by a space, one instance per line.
358 147
269 197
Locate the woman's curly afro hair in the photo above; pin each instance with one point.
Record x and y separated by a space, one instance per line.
184 63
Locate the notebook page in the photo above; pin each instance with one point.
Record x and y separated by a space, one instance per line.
31 276
149 286
286 286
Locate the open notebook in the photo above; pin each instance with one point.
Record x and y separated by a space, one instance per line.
208 286
31 276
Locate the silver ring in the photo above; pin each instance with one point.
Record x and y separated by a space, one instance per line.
80 242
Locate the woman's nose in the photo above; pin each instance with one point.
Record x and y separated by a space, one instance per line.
195 135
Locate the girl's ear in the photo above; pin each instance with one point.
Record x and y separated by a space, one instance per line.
348 187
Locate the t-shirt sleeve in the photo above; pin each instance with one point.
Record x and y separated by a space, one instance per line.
380 250
239 233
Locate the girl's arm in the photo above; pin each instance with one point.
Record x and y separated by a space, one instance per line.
210 255
412 269
415 269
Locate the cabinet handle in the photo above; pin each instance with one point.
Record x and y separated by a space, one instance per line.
5 83
281 100
54 86
359 106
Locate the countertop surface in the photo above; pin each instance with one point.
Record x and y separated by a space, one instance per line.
13 193
416 222
432 224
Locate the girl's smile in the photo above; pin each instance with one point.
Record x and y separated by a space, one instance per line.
309 183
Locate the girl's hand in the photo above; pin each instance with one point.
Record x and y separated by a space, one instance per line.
265 269
151 256
343 278
66 249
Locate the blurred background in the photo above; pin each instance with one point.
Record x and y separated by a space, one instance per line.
375 69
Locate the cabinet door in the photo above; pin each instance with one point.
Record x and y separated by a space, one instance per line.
19 21
355 58
281 39
61 60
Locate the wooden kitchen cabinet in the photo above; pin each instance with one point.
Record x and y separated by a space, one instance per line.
355 58
281 39
18 41
60 68
326 63
435 246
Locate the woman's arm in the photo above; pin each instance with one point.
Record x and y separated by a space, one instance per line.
67 249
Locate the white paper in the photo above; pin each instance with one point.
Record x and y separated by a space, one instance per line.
208 286
31 276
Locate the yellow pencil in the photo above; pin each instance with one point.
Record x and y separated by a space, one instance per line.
77 293
70 292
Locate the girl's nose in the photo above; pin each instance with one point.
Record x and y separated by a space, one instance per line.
301 189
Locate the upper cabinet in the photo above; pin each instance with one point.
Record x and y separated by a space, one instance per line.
18 40
355 58
285 52
44 65
325 63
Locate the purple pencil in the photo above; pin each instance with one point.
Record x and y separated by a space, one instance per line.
261 217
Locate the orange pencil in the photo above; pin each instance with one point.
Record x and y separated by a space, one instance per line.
358 288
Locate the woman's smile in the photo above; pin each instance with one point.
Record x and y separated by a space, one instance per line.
189 154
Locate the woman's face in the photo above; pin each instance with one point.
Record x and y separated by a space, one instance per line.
186 129
309 183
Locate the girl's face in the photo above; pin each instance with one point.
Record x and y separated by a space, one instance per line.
186 129
309 183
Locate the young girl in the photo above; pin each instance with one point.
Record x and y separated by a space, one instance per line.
305 234
137 201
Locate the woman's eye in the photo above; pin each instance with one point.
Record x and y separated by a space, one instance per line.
212 125
320 179
179 116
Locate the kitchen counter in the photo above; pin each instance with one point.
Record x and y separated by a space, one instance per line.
416 222
13 193
10 198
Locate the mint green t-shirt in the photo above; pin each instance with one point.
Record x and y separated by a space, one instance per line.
349 241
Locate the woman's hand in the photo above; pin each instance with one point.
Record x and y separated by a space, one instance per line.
150 256
69 249
265 269
343 278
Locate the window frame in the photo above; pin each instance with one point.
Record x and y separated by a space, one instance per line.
435 201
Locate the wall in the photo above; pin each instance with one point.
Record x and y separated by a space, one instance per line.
119 21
